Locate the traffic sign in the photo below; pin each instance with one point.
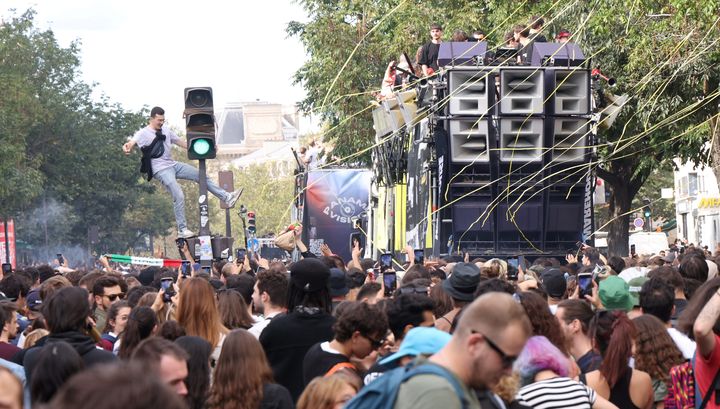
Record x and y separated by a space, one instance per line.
639 222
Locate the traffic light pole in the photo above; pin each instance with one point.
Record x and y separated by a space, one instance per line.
206 253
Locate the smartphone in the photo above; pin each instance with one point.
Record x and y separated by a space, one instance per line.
185 268
359 238
585 284
513 262
60 258
521 262
240 256
419 256
386 260
180 243
167 285
390 283
6 268
632 250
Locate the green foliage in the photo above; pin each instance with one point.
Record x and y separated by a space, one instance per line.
663 54
267 192
62 165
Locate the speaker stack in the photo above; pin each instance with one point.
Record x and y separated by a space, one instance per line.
512 141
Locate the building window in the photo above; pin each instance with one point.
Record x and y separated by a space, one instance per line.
683 186
692 184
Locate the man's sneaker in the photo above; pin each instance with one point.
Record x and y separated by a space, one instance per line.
234 196
185 233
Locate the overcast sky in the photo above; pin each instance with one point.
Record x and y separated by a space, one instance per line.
146 52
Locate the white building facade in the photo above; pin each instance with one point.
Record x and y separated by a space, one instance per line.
697 205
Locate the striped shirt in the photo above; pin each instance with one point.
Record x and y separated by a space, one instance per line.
557 393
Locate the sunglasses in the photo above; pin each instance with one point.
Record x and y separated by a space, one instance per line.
375 343
113 297
507 360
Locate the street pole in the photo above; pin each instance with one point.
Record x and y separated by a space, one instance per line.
206 254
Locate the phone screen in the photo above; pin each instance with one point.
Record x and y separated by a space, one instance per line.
239 255
60 259
386 260
513 262
390 283
419 256
185 268
165 284
358 238
585 284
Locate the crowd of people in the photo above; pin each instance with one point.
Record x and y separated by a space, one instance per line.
324 333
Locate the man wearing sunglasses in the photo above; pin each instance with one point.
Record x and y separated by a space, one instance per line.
107 291
490 334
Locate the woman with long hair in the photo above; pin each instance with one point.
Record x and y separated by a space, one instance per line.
543 321
198 366
243 379
197 312
544 379
329 392
141 324
613 334
117 318
233 310
655 353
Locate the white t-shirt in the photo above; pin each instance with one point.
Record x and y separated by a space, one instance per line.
260 325
684 344
145 136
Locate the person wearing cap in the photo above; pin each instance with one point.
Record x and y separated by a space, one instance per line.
418 341
360 330
490 334
614 294
287 338
460 286
555 285
656 298
562 37
338 286
634 287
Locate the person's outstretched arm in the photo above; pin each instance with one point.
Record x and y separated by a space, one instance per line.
703 328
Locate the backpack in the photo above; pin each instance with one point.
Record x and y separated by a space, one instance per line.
382 392
682 385
153 151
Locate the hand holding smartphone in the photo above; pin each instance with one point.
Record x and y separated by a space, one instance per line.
585 285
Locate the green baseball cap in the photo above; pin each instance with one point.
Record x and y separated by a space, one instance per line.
614 294
634 286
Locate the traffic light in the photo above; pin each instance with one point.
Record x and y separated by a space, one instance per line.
200 123
252 229
647 212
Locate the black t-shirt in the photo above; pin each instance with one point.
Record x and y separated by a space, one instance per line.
276 397
429 55
318 362
589 362
287 339
378 370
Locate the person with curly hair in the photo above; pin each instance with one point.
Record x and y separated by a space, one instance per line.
542 320
360 330
243 379
655 353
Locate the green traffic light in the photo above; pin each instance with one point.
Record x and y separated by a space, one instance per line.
201 147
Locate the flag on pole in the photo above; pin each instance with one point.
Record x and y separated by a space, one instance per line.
144 261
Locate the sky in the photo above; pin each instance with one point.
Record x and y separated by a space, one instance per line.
147 52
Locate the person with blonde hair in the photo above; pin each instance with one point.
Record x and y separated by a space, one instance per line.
198 313
243 378
330 392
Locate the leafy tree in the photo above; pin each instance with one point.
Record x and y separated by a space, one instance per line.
59 146
663 54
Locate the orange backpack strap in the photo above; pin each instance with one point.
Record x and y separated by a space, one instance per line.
340 366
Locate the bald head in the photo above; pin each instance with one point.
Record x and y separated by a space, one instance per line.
492 313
